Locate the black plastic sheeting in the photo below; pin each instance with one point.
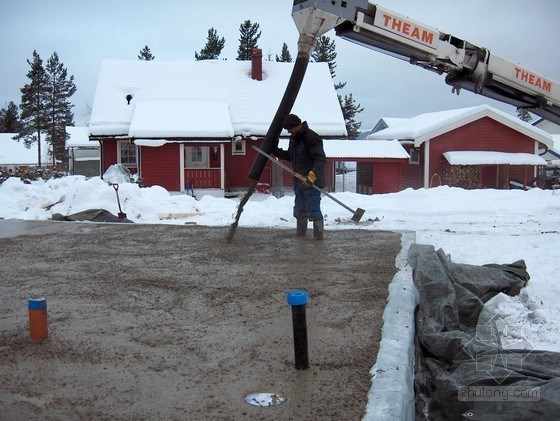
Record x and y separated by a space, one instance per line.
462 369
93 215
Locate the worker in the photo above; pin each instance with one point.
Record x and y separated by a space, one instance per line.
307 156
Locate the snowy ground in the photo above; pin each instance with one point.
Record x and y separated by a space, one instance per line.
473 226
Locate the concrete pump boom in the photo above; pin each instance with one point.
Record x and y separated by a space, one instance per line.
465 65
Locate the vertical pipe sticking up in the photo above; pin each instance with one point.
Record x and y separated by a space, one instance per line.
298 300
38 327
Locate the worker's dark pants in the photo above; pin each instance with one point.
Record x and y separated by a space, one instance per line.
307 203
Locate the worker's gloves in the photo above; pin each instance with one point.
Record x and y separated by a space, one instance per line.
311 177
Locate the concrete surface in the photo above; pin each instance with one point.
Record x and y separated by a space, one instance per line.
172 322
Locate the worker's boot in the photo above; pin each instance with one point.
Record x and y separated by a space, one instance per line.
318 229
301 229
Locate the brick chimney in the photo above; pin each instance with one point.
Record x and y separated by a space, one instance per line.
256 64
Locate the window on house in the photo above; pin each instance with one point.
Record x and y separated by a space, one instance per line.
238 147
127 154
197 157
414 156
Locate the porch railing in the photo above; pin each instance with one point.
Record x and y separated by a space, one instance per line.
204 178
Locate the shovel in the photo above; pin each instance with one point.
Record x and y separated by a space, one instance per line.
358 213
122 215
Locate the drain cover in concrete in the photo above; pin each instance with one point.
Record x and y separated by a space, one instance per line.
265 399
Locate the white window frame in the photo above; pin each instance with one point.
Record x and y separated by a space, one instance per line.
197 157
131 146
238 147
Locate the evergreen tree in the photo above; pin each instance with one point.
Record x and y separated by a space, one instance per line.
285 56
248 38
59 109
146 54
33 99
325 52
9 119
213 47
349 111
524 115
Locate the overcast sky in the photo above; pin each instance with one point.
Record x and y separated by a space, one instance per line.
86 31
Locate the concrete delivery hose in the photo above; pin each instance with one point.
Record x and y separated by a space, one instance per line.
306 45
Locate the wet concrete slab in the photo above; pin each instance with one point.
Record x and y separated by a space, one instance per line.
174 322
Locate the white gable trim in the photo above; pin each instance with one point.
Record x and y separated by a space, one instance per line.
486 112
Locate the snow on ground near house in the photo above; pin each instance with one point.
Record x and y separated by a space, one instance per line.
473 226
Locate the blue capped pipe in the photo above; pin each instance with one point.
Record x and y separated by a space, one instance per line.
297 300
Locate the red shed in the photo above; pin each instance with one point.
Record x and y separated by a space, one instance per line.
491 149
379 164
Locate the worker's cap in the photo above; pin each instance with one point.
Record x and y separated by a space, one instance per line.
291 121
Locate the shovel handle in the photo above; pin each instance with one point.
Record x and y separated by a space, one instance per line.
302 178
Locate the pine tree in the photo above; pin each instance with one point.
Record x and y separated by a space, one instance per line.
325 52
59 109
285 56
248 38
213 47
33 99
349 111
9 119
146 54
524 115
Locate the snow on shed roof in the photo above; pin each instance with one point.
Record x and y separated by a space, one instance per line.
79 136
492 158
252 104
430 125
347 149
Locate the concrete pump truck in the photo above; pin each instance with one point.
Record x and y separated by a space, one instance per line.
466 65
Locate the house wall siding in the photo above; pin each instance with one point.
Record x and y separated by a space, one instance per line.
108 154
386 177
161 166
379 175
411 174
237 167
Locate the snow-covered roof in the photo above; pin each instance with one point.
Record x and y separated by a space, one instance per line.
348 149
170 118
426 126
207 98
492 158
13 152
392 121
79 137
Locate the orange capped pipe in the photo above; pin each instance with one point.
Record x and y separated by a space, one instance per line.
38 327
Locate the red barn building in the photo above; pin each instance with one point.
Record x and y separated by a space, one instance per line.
477 147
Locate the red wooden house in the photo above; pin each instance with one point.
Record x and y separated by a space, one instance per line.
193 124
477 147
